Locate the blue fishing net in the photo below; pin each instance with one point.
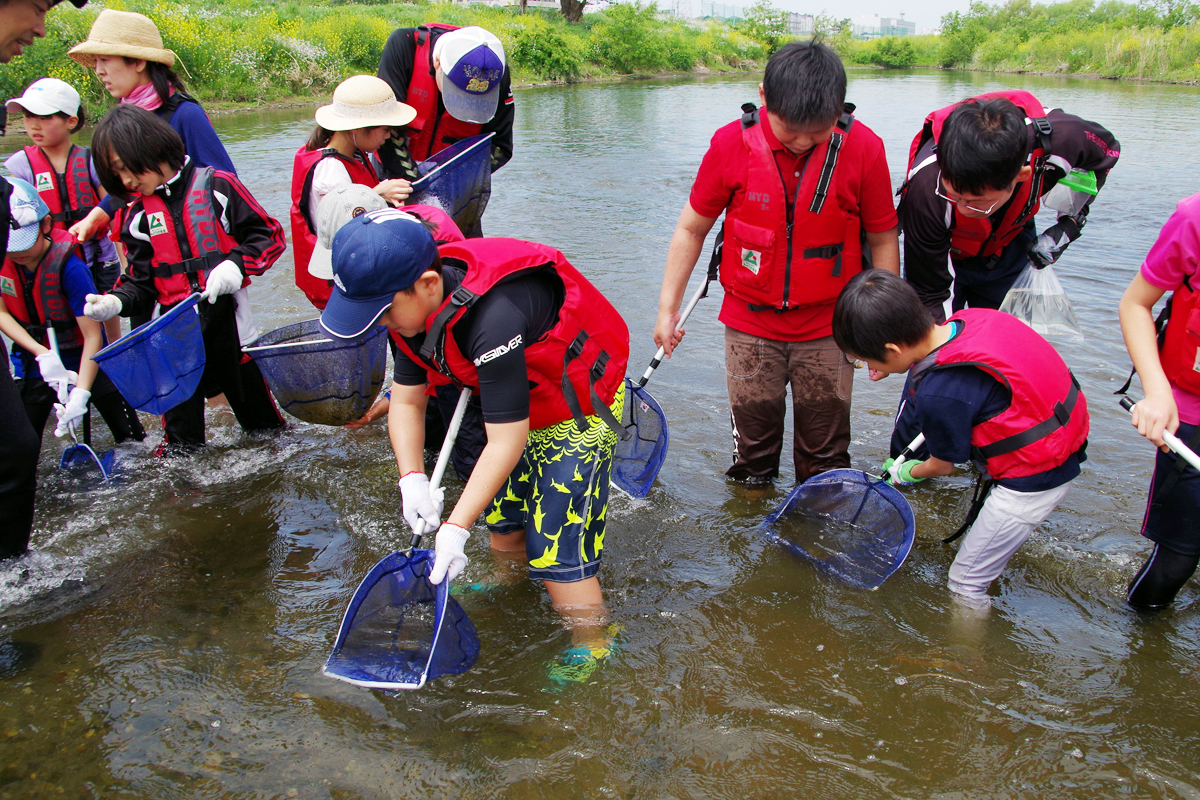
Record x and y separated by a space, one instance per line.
639 458
401 631
459 181
326 382
159 365
848 524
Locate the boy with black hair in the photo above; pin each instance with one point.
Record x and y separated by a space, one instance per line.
188 230
982 387
545 352
803 186
978 171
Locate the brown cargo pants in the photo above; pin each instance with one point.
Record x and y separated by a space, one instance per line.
757 373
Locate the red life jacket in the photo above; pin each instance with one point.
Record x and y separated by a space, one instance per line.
590 337
432 131
71 202
1047 419
1180 350
176 274
43 299
782 252
977 236
304 224
445 229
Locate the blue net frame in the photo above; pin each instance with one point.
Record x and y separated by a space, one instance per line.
853 498
459 181
159 365
639 458
326 382
400 631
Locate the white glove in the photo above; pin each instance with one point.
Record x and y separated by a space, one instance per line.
54 373
422 506
101 307
75 408
225 278
448 556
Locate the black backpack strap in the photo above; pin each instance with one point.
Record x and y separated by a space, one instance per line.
983 486
433 350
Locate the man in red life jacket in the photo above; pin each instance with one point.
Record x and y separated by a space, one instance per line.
545 352
978 172
982 387
803 185
459 83
21 21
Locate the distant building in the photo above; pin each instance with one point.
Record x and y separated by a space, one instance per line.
800 24
876 27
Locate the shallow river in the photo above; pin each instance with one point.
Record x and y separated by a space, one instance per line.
166 637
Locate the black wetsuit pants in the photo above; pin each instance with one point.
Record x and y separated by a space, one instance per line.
18 466
230 370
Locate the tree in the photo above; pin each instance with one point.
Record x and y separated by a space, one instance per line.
767 24
571 9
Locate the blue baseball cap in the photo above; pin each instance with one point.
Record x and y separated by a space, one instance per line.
26 210
374 256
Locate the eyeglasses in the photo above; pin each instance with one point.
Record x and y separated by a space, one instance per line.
937 189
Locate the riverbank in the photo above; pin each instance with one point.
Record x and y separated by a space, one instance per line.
255 54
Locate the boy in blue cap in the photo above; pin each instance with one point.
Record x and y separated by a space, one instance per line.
545 351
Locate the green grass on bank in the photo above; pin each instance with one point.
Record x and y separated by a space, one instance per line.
239 51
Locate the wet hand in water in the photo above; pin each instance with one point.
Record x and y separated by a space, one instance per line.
395 191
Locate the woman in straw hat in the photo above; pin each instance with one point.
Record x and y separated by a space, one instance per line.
127 53
339 153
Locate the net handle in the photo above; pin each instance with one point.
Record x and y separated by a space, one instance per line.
894 470
261 347
687 312
439 469
1173 441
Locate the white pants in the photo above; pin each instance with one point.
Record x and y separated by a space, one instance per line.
1005 522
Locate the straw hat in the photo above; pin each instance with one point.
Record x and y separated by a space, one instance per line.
122 33
364 101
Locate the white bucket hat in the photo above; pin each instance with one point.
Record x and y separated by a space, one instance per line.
336 209
47 96
364 101
122 33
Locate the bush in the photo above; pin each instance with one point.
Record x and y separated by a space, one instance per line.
893 52
546 52
626 39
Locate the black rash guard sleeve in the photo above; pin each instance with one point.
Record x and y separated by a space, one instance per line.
494 335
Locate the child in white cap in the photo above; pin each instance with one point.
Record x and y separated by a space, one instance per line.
43 284
62 172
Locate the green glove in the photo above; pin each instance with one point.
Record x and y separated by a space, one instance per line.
904 476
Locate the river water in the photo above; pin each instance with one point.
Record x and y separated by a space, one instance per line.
165 639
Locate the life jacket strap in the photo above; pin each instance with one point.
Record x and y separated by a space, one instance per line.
188 266
1059 419
71 216
574 351
433 349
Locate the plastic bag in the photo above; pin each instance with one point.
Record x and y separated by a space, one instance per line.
1039 300
1072 192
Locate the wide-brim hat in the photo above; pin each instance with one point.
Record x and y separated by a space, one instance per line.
471 61
336 209
364 101
122 33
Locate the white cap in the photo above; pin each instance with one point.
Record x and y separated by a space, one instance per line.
471 61
47 96
336 209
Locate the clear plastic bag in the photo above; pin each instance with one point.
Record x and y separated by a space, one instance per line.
1039 300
